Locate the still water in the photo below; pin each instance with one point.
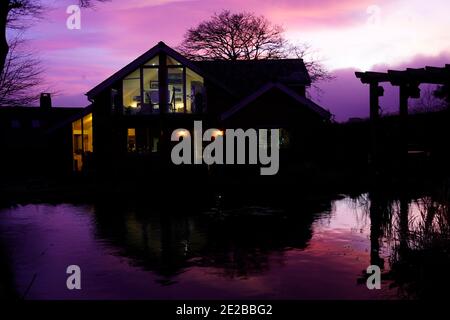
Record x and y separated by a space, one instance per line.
253 252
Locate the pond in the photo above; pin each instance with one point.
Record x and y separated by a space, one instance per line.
134 251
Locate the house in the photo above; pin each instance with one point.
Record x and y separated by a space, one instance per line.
134 111
127 127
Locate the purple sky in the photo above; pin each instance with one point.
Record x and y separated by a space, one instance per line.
347 35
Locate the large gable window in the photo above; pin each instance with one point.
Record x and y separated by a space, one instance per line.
150 90
131 91
185 88
175 84
182 87
140 89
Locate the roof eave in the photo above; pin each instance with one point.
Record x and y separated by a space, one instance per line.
305 101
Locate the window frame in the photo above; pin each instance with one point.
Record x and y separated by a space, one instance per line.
163 83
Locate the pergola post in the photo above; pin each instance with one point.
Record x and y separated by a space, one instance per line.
374 104
374 123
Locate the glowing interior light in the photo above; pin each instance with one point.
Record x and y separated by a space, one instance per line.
217 133
182 133
133 104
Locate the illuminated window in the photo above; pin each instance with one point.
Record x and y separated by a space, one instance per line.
142 140
88 143
186 91
176 89
77 144
132 92
195 92
153 61
141 89
145 100
82 141
172 62
131 140
150 90
217 133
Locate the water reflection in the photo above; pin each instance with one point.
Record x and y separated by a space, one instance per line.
415 229
421 246
237 242
319 250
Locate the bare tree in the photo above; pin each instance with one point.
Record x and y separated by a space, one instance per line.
21 80
16 14
234 36
245 36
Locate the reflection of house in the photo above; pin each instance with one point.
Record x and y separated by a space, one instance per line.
134 111
167 243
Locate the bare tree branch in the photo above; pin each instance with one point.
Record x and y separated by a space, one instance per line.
317 71
18 15
234 36
245 36
21 80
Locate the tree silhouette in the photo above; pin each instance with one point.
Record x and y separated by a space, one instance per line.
245 36
21 80
16 15
234 36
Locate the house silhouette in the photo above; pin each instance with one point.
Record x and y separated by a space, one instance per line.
126 128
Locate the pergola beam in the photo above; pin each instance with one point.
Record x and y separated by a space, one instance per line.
431 75
372 77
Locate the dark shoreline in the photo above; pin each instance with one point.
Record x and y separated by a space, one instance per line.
84 189
287 189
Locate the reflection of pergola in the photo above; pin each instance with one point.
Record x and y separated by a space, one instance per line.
408 82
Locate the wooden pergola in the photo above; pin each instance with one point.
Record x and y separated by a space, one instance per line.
408 82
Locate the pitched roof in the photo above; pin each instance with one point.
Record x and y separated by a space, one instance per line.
243 77
142 59
269 86
238 77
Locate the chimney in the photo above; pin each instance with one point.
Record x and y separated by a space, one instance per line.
46 101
